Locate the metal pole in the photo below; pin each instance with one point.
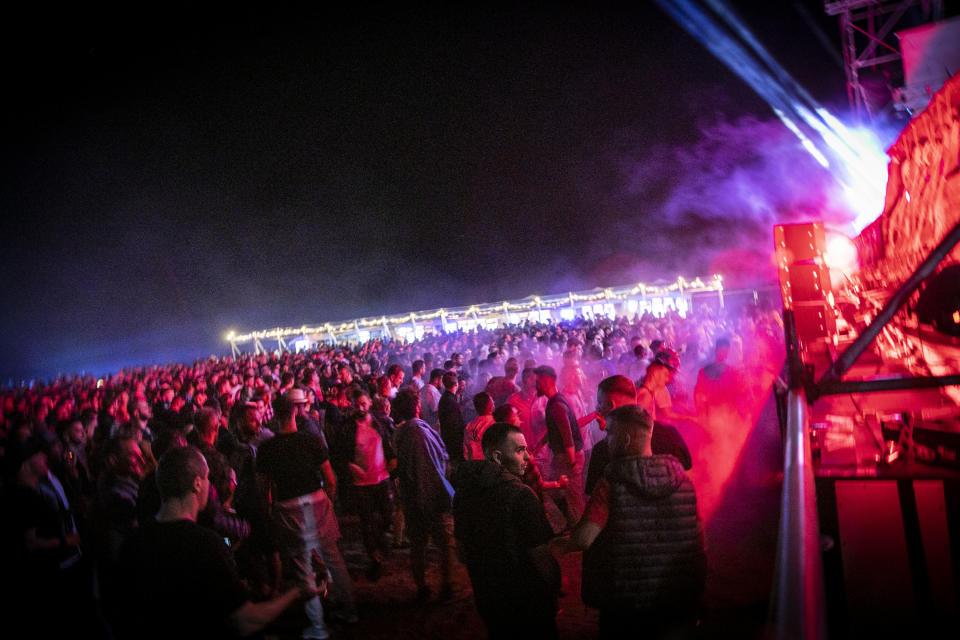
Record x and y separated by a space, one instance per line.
891 384
798 606
795 371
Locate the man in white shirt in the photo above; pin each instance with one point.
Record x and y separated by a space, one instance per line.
430 399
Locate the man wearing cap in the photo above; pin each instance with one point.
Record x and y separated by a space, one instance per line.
652 393
305 421
565 442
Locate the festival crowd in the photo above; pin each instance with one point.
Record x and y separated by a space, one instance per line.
205 500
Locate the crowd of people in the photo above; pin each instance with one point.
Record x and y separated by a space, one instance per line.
213 491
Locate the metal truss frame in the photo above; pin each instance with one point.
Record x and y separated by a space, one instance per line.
865 26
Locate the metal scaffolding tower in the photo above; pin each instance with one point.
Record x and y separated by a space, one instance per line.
868 30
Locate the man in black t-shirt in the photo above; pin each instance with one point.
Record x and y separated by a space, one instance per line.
182 572
451 418
503 534
293 469
565 442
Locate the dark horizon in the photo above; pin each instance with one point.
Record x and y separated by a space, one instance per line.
168 180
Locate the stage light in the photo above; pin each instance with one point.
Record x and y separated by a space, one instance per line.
841 253
856 158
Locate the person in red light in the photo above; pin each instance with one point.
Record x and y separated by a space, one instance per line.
395 374
720 388
652 393
565 442
530 410
473 433
138 429
369 459
502 387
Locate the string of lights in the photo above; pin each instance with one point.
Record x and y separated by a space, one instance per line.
671 294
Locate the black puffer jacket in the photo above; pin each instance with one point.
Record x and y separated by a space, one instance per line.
650 555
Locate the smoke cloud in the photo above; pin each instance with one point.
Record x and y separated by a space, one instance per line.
710 207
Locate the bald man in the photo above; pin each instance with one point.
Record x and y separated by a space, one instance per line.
619 391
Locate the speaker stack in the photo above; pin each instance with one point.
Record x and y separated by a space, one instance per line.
805 280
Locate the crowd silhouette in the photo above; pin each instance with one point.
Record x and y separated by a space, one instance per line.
387 424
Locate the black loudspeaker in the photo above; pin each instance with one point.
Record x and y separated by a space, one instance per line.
939 302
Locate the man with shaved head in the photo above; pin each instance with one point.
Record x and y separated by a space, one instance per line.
644 565
619 391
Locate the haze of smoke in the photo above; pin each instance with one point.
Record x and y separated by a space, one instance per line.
693 207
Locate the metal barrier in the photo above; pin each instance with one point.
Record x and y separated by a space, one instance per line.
797 607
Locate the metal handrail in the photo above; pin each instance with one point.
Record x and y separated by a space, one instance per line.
797 606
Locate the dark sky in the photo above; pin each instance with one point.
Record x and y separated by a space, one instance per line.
169 175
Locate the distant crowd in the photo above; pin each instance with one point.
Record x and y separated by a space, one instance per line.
205 499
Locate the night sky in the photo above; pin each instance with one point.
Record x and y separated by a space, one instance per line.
170 175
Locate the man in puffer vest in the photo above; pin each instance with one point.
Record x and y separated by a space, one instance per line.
644 564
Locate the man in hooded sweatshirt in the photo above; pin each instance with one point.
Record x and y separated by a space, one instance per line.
644 564
503 536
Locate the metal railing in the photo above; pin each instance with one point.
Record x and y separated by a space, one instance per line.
797 607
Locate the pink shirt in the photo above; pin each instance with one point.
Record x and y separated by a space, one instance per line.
369 457
472 436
